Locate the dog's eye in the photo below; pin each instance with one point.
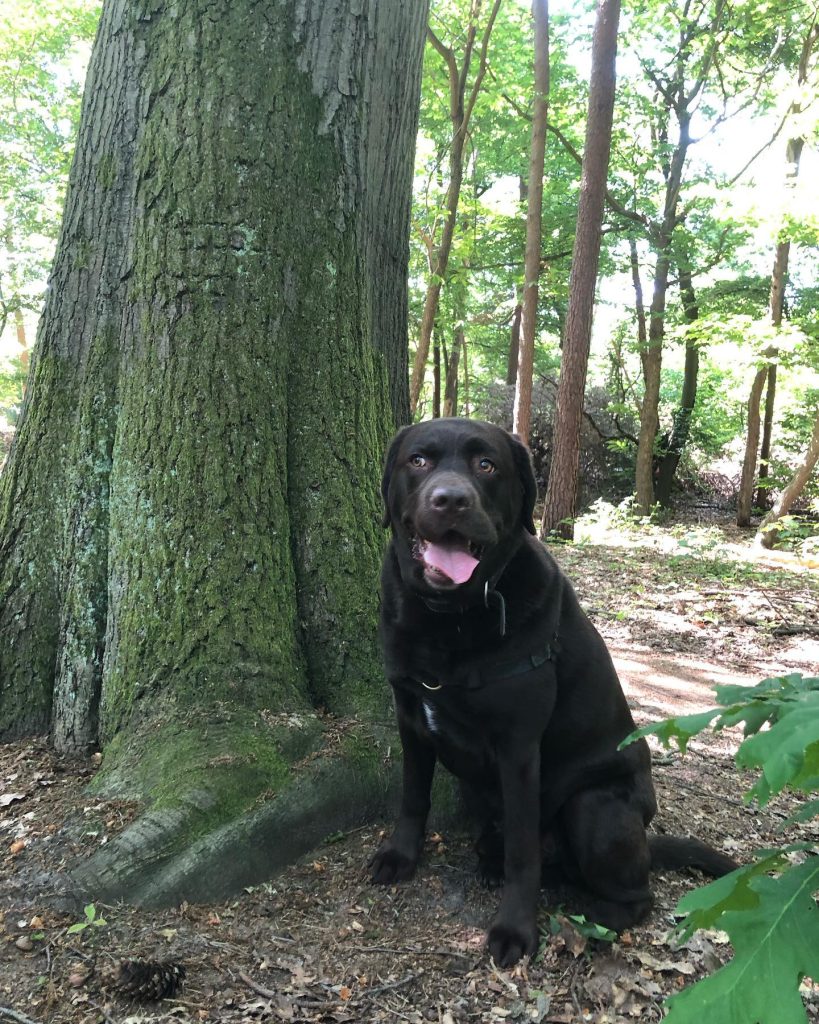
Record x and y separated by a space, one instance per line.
486 465
417 461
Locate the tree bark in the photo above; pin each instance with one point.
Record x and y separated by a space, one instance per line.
514 347
450 405
561 492
776 302
763 495
681 428
189 523
461 106
766 536
522 411
746 483
652 355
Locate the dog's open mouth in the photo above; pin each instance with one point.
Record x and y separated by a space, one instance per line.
449 561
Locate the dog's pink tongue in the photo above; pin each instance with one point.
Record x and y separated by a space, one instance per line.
453 562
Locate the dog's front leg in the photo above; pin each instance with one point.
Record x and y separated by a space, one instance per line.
397 857
514 931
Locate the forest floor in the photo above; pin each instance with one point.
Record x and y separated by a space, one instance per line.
681 608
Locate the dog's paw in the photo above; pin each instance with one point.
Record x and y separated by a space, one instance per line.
509 943
389 865
490 873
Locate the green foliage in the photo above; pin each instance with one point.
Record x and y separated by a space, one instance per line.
12 381
773 923
579 922
795 533
768 907
91 920
43 48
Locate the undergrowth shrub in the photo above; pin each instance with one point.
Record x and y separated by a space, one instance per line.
768 907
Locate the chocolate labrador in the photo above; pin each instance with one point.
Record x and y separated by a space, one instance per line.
498 674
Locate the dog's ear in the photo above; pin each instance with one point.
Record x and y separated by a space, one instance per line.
526 475
389 466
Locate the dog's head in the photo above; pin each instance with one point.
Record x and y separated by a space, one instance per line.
458 494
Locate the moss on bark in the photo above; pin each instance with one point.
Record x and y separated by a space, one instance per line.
202 529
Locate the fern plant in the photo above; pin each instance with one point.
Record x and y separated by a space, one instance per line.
768 907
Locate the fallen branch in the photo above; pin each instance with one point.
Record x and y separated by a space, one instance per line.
795 629
21 1018
260 990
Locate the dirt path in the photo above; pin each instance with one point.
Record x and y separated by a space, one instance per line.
318 943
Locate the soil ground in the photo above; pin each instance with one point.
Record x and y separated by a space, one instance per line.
680 608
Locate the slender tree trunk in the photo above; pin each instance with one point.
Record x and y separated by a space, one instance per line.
651 359
776 304
522 412
767 537
189 523
514 347
746 484
450 406
436 375
461 106
763 497
681 427
561 493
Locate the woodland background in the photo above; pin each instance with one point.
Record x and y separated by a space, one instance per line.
713 169
189 522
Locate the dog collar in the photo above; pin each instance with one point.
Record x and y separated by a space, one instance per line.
490 597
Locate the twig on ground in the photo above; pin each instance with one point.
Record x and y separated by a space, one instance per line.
260 990
6 1011
393 984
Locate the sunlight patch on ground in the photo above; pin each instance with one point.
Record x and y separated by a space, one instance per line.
614 526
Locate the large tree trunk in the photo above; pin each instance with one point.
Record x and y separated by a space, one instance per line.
189 538
522 411
561 493
767 536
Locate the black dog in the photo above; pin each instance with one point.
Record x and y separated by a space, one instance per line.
498 673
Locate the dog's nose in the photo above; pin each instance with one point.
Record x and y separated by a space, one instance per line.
450 498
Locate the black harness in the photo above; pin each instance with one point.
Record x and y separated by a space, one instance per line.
504 670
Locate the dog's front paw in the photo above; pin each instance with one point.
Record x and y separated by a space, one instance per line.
389 864
490 872
509 942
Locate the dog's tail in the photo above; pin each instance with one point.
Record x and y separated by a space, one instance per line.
671 853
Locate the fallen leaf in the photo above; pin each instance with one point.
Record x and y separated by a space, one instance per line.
9 798
17 846
344 992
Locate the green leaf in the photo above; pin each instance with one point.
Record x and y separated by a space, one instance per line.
788 752
773 924
679 729
805 813
80 926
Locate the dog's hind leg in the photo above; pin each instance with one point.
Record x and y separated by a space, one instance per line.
605 830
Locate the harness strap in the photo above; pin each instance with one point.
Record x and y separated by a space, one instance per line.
548 652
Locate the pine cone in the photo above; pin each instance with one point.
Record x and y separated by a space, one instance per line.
146 979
